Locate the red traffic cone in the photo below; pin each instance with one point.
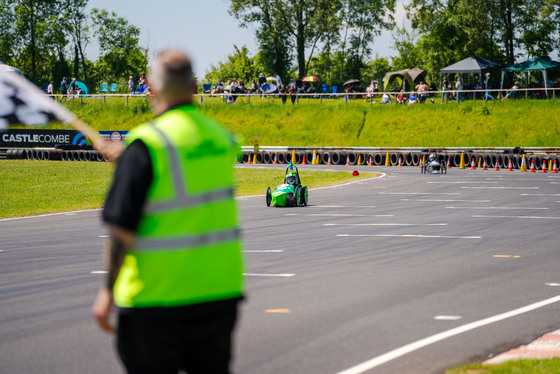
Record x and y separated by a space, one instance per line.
348 160
473 164
448 163
554 168
496 168
370 163
400 163
510 166
249 160
275 159
543 166
420 164
329 162
303 161
532 170
484 166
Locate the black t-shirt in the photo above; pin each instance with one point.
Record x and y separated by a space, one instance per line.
132 179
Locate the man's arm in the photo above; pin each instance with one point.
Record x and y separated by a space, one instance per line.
120 241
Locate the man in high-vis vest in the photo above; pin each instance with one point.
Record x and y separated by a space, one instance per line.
174 265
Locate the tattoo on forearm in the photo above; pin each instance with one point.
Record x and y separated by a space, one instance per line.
117 250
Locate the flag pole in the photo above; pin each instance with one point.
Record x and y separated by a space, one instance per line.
90 133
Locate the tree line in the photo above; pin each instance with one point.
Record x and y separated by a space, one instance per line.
47 40
333 39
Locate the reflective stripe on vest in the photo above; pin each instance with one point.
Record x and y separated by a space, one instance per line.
182 243
182 200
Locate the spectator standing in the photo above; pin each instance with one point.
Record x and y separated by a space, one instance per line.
174 254
293 93
283 93
50 88
278 80
369 91
73 86
130 85
444 87
142 79
487 86
459 88
64 86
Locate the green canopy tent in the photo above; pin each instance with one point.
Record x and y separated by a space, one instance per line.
412 75
533 64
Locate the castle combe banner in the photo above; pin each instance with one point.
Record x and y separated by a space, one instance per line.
27 138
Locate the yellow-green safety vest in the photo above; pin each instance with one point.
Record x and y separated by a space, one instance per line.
187 247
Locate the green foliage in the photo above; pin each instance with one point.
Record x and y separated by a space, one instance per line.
312 24
121 54
497 30
238 65
46 39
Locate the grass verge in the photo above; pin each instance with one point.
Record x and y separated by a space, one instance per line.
547 366
510 123
41 187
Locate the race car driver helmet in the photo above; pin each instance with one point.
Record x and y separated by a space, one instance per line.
291 178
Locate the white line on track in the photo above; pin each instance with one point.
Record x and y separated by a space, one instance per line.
265 251
481 182
339 215
267 275
495 207
412 236
103 236
509 179
520 217
501 188
342 206
385 224
99 272
399 352
50 215
540 194
447 318
552 284
447 200
419 193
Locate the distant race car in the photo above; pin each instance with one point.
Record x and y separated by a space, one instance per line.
289 193
433 165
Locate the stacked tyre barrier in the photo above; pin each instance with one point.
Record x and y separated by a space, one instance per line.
451 159
44 154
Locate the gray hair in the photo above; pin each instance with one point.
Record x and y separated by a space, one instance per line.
171 74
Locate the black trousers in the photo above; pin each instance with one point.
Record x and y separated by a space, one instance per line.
196 338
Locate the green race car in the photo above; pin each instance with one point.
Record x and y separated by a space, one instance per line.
289 193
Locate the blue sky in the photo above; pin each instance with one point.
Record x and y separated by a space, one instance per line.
203 28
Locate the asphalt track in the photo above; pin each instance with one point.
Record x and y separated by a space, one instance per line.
406 273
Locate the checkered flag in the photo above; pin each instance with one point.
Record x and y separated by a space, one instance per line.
21 102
